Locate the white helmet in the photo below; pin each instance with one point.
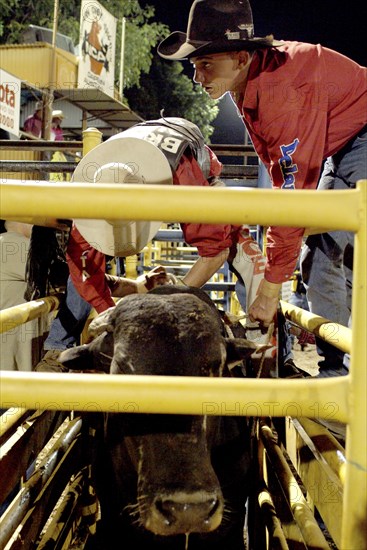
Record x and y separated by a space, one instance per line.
121 159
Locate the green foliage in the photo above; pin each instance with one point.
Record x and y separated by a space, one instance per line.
139 42
167 87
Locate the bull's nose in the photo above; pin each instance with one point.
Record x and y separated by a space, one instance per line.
190 515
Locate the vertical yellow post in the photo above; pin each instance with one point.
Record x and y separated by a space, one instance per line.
91 138
131 264
355 491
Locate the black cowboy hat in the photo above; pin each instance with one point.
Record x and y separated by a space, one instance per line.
215 26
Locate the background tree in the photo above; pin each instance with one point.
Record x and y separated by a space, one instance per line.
167 88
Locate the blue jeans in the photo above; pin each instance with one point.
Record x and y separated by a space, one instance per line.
327 258
68 325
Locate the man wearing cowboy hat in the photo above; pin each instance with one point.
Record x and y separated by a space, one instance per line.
303 105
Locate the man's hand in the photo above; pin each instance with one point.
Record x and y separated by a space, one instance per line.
264 307
157 276
120 286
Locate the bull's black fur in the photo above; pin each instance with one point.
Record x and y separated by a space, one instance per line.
230 457
229 444
193 291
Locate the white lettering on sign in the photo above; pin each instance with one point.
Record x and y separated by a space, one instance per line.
10 90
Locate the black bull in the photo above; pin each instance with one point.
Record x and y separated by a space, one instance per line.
161 477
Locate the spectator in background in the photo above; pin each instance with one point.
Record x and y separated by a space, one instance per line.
33 123
16 343
57 133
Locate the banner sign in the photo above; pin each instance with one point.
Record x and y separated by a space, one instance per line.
10 94
97 42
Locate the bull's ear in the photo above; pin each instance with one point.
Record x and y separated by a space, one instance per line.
240 348
95 356
78 358
102 323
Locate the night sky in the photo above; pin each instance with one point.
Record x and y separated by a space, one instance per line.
336 24
333 23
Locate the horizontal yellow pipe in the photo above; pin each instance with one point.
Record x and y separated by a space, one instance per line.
322 398
17 315
181 204
333 333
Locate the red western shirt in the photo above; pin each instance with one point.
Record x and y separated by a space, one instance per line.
302 103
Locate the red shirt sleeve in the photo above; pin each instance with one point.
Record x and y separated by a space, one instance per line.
210 240
87 269
215 165
283 246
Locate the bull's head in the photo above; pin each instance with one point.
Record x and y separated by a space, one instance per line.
175 334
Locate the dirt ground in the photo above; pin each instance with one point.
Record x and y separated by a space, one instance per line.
306 359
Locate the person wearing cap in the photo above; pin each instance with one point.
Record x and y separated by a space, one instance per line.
33 123
57 133
305 109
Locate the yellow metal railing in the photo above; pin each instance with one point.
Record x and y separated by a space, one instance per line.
182 395
311 398
18 315
185 203
336 335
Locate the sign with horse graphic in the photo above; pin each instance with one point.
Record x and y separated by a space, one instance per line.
97 41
